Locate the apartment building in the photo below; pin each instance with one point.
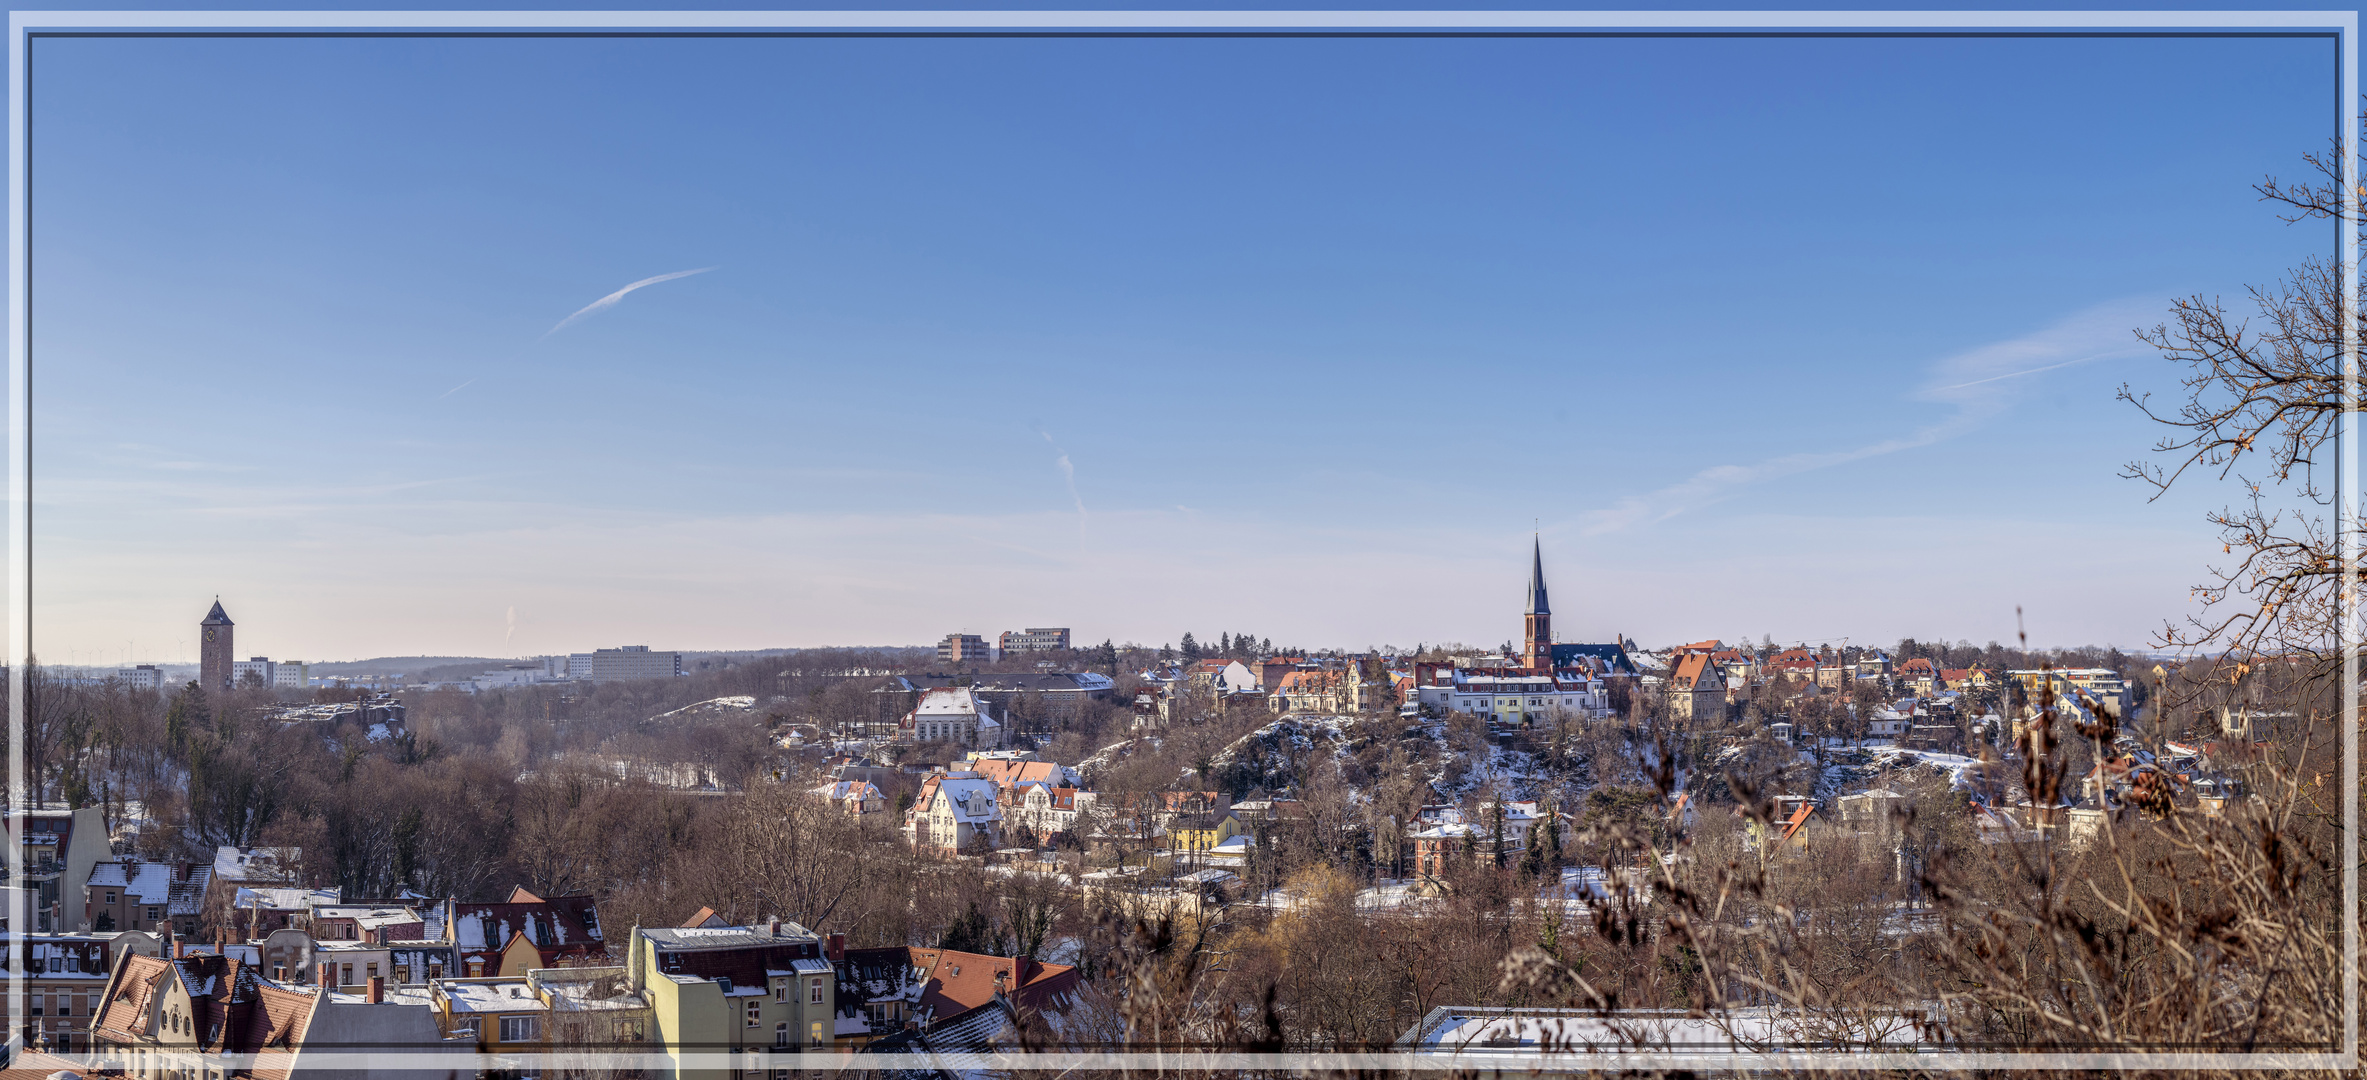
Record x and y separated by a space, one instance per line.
1034 639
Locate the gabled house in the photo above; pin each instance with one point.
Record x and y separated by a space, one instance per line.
128 894
855 798
1697 689
1322 693
952 714
157 1012
955 812
895 994
562 927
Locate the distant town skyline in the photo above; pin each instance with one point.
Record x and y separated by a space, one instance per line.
511 347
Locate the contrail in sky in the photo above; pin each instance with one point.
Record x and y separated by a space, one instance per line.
610 300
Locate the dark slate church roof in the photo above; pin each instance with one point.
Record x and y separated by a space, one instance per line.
216 617
1613 656
1537 605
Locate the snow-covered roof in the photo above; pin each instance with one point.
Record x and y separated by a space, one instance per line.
285 899
971 797
723 937
951 701
149 883
491 997
365 917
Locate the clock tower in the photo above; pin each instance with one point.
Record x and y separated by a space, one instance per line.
213 649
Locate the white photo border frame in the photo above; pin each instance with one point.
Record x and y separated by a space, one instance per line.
22 25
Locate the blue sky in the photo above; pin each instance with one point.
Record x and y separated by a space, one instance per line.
1298 336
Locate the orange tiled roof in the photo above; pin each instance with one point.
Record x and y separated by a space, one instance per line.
960 981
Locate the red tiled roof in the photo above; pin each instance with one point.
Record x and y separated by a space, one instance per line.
959 982
130 995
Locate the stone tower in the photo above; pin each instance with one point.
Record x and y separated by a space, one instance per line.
1537 622
213 649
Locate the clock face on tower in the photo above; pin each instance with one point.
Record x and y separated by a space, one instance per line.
209 635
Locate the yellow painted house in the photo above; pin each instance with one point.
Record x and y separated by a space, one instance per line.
722 998
1202 832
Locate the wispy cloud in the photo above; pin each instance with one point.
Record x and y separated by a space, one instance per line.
1979 383
611 299
454 390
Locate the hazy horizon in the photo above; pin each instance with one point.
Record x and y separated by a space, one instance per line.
515 347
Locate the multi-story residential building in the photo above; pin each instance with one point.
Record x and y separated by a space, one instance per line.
1317 693
954 714
128 894
64 974
743 990
579 666
514 675
2103 685
257 910
1697 689
254 672
291 675
186 1017
522 933
632 662
1510 696
962 649
1044 809
61 846
1199 833
900 991
1034 639
1027 703
141 677
955 812
1223 677
494 1015
1449 832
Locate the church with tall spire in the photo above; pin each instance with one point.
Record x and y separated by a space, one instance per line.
1541 654
1537 622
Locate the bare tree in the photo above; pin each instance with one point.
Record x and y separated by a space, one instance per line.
2262 406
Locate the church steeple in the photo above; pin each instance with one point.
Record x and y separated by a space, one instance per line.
1537 605
1537 621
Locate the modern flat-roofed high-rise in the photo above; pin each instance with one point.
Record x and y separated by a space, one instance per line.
634 662
1035 639
213 649
957 648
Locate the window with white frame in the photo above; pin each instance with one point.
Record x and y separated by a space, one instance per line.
516 1029
755 1013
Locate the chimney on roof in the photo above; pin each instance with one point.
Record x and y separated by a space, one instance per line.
838 948
326 976
377 992
772 926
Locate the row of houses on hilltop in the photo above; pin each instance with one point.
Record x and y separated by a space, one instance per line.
675 1000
